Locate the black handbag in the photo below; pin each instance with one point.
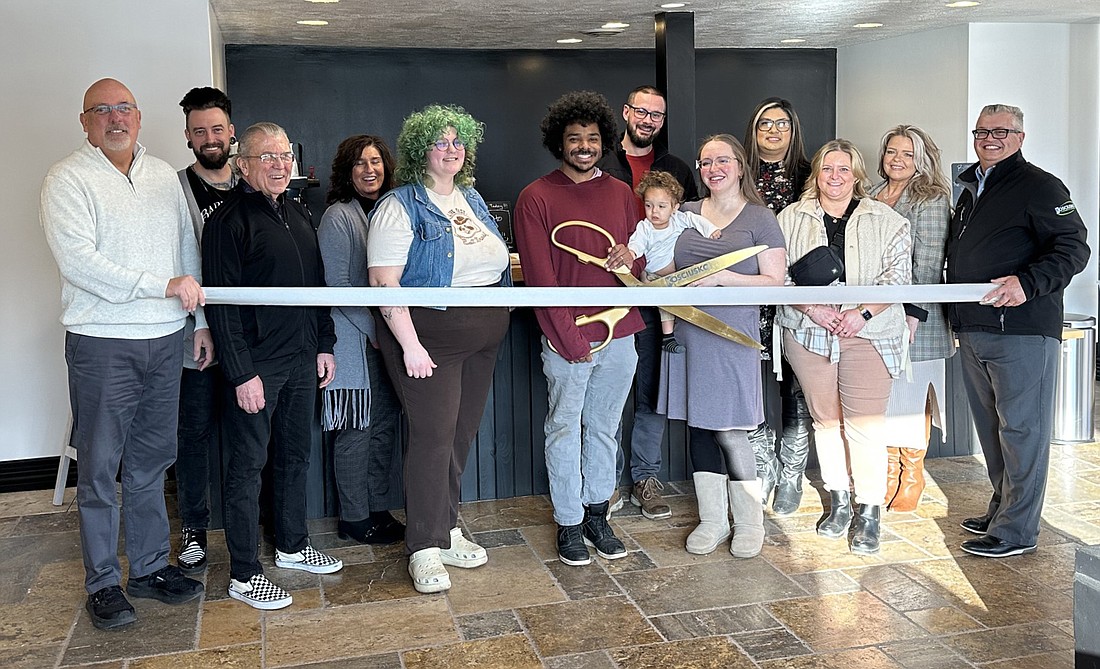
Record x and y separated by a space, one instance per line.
819 267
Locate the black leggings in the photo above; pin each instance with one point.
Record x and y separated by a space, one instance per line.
726 452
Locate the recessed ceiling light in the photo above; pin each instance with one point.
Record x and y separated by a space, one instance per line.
792 40
867 25
962 3
570 40
312 23
615 25
673 5
323 2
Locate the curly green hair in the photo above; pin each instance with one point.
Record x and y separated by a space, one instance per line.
422 129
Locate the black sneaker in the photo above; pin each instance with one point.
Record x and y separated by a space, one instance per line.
168 585
192 555
598 534
571 548
109 609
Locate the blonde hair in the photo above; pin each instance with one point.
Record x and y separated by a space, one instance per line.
660 181
859 171
929 181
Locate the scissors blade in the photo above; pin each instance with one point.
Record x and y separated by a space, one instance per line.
702 319
706 268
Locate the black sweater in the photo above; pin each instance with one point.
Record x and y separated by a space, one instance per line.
249 242
1024 224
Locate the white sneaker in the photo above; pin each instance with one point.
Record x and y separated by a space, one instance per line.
260 593
308 559
463 552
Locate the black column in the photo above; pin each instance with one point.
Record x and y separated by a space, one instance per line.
675 32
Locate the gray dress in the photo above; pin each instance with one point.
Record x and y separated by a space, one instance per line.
715 384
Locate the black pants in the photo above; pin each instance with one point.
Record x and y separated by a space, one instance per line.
200 398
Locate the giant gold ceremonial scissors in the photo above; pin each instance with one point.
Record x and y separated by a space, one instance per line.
693 315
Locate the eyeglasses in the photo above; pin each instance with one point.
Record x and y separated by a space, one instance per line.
998 133
124 108
641 112
720 161
443 145
269 158
766 124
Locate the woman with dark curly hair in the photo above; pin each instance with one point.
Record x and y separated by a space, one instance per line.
435 231
778 164
359 406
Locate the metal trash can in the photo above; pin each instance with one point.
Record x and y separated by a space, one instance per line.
1074 391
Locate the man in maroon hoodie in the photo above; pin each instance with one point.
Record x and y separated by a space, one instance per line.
587 390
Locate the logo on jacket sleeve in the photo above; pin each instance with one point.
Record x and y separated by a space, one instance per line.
1065 209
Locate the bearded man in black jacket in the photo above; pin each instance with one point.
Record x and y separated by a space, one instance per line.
1016 226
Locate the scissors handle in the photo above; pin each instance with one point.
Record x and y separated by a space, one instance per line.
581 255
609 317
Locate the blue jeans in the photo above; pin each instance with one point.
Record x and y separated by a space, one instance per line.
1009 381
585 407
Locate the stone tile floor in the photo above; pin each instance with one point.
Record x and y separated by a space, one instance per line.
804 602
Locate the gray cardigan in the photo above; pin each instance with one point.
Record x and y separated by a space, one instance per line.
342 236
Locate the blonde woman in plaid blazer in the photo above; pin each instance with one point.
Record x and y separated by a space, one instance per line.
915 186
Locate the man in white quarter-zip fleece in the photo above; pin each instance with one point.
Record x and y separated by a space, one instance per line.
118 225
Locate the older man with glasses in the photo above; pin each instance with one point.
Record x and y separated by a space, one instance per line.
1016 226
117 224
274 359
637 153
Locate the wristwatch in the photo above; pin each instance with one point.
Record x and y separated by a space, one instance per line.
865 312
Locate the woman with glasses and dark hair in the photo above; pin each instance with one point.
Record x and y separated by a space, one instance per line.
715 385
435 231
915 186
359 406
846 356
778 163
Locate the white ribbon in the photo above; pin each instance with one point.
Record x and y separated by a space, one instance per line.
529 296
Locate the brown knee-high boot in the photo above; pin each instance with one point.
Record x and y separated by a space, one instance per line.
912 480
893 474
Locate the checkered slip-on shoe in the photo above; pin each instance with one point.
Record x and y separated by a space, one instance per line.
308 559
260 593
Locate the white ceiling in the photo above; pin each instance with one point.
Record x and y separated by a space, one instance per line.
523 24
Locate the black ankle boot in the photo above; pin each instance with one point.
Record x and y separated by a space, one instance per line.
571 548
598 533
866 537
371 531
840 516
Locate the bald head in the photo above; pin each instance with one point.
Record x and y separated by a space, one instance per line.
114 132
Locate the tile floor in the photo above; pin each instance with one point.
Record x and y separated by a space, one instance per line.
804 602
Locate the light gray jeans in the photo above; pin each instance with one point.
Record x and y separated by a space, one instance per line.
586 405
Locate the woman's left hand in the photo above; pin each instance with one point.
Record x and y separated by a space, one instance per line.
849 324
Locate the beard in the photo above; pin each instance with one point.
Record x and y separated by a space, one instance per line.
638 141
215 162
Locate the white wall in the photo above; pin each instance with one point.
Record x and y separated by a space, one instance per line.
1049 71
941 79
52 51
919 79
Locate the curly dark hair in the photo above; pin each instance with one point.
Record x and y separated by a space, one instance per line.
585 107
340 187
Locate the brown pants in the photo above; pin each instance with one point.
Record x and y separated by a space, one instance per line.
848 403
443 411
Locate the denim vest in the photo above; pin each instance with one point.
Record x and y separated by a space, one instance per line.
431 254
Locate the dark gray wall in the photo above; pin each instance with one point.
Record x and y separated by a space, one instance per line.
323 95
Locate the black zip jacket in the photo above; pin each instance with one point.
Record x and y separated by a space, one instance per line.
1024 224
616 164
248 242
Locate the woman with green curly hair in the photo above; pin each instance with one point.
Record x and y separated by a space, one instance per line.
435 231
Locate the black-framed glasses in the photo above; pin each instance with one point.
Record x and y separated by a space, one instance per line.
641 112
766 124
124 108
998 133
270 158
443 145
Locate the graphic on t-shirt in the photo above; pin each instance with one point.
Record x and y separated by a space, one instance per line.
467 230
